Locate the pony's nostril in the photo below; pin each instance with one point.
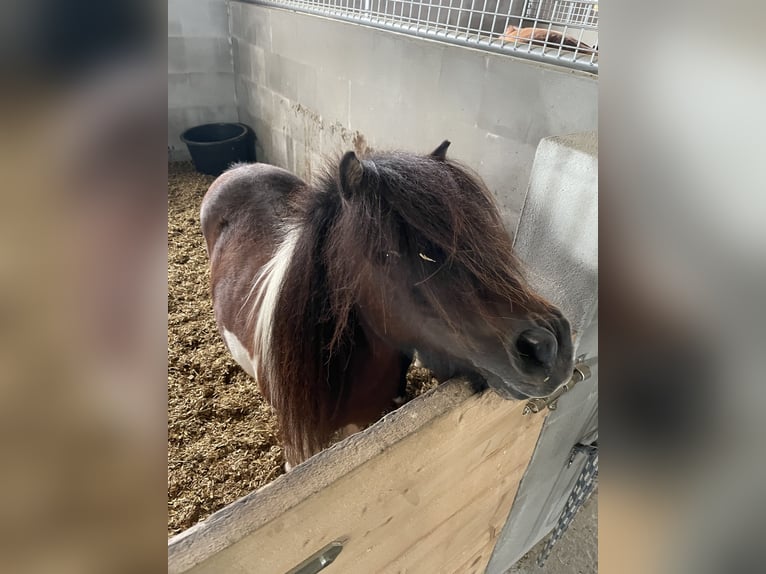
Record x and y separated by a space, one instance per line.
537 345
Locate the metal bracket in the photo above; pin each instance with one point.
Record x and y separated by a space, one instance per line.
580 372
586 449
321 560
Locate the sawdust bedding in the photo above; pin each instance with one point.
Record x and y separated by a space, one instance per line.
223 440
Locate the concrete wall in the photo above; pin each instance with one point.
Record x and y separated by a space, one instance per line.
313 87
200 68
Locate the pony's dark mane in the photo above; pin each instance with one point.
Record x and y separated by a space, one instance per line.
310 375
316 326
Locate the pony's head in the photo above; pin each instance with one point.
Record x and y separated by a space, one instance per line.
418 251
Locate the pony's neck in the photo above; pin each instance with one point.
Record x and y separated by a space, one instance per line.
264 298
306 347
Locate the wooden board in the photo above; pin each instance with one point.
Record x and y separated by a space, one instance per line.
427 489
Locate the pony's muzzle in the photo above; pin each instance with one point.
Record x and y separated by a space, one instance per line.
537 348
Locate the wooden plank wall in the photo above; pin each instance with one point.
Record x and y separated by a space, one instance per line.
431 500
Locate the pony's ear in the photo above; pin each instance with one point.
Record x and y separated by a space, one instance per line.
440 152
350 173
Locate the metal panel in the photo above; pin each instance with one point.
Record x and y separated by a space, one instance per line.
558 237
561 32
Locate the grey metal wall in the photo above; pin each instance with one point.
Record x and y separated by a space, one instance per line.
558 238
313 87
200 68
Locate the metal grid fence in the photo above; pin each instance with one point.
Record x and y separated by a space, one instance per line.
563 32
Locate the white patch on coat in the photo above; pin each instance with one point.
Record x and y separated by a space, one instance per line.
239 352
267 287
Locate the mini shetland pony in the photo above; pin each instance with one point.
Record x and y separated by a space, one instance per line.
324 293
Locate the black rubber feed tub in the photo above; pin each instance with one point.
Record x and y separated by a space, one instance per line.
214 147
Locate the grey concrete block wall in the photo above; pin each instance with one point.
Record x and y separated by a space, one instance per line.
200 68
314 87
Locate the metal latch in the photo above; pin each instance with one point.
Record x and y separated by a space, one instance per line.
580 372
320 560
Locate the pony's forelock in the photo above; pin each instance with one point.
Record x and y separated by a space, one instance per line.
444 205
